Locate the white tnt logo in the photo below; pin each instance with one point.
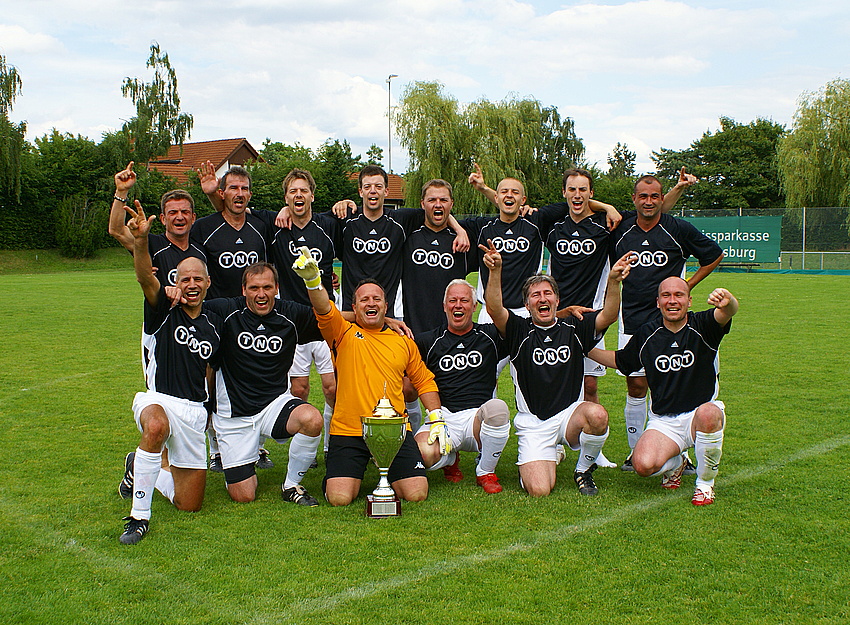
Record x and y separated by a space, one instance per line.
649 259
372 246
576 247
315 252
432 258
184 337
550 355
520 244
239 260
268 344
665 364
459 362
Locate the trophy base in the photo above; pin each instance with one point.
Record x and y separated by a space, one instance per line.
380 508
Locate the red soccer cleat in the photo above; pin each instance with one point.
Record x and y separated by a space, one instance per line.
452 472
702 497
489 482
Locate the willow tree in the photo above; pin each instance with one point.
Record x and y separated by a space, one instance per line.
158 122
513 137
11 134
814 158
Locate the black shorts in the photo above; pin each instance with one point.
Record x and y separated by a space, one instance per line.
348 456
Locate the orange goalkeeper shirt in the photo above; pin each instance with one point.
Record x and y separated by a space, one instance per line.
364 361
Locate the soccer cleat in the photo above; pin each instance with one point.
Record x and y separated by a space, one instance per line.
452 472
690 469
673 479
125 487
264 462
703 497
134 531
560 454
215 464
489 482
314 464
627 465
584 481
603 463
298 494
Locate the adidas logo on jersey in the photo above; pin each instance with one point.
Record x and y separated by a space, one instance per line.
575 234
509 232
645 243
261 327
373 231
675 344
301 238
548 339
419 465
460 346
358 335
239 241
435 242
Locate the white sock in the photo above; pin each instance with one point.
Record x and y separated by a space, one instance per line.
590 446
672 463
444 461
493 439
635 416
414 412
165 484
302 453
327 413
146 468
708 448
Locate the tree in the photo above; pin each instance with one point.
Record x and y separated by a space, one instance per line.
736 166
814 159
514 137
158 122
12 143
334 164
621 162
374 156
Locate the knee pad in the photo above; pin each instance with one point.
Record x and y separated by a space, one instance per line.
235 475
494 413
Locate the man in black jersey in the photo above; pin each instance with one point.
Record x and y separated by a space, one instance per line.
661 244
258 342
547 363
177 214
178 343
463 357
679 356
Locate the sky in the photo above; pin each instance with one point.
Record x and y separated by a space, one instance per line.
647 73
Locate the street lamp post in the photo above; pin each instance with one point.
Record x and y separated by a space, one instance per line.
390 123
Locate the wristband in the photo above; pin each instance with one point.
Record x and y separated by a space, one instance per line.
123 200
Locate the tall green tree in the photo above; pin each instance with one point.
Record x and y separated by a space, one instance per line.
736 165
334 164
621 162
513 137
158 122
12 143
814 162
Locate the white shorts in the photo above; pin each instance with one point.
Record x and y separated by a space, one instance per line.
622 340
678 427
305 355
538 439
239 437
187 422
591 367
459 425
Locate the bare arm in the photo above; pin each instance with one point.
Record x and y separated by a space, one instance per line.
685 180
613 215
703 271
431 400
476 179
725 305
209 185
611 307
140 227
493 293
124 181
461 243
604 357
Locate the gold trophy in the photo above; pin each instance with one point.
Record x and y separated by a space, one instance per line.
384 432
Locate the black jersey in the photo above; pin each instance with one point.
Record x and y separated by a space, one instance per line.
165 256
229 250
429 266
176 348
256 352
548 363
464 366
521 245
320 235
662 252
681 367
579 259
375 249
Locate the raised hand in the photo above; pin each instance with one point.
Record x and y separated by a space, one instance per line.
139 225
124 180
476 178
207 178
492 257
622 267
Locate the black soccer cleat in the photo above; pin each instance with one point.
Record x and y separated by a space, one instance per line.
125 486
134 531
298 494
584 481
264 462
215 464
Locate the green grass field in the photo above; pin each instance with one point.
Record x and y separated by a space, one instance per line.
773 549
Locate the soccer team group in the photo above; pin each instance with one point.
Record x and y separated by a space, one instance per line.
239 305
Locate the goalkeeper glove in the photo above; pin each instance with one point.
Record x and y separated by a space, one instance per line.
308 269
438 431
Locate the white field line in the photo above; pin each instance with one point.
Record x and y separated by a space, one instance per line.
296 611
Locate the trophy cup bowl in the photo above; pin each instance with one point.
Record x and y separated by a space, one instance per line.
384 432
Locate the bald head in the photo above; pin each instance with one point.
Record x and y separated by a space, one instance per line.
674 282
192 264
